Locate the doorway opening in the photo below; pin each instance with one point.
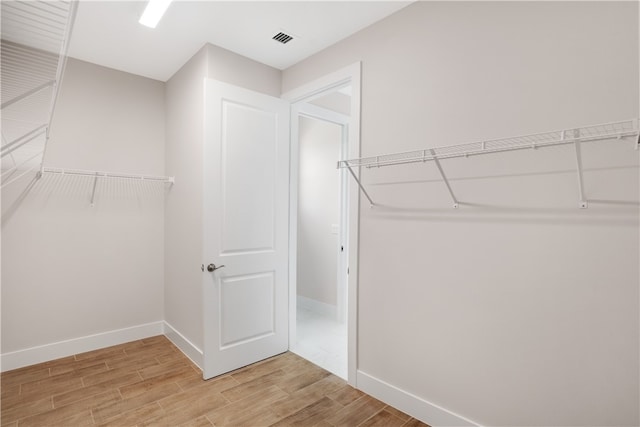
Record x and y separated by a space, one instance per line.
319 102
322 238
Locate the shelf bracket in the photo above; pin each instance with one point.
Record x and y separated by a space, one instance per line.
360 185
444 178
10 147
4 144
576 135
27 94
93 192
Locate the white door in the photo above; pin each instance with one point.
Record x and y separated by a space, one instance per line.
246 182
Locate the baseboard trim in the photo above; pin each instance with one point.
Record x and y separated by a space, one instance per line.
45 353
411 404
184 345
316 306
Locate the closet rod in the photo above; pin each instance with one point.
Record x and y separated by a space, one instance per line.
100 174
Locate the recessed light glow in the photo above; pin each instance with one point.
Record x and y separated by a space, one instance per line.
153 13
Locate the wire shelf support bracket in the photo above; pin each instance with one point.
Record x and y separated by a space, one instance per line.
353 174
444 178
28 94
583 202
573 136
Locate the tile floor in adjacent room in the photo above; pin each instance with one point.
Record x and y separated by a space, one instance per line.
322 340
151 383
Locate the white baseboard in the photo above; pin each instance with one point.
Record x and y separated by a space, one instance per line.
185 346
316 306
45 353
410 404
57 350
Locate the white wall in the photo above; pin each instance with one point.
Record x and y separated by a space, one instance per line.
183 207
232 68
318 210
518 308
184 127
70 270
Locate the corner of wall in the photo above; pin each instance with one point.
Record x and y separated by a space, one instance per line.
183 207
229 67
187 347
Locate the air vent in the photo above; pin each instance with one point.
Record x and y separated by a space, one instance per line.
282 38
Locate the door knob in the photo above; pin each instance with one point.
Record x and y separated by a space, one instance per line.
212 267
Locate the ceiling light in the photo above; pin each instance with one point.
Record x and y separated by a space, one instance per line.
154 11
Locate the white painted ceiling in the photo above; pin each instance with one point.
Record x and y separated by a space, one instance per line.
108 33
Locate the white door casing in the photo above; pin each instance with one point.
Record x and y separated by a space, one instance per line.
303 94
246 219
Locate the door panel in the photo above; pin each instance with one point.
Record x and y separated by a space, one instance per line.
255 290
246 181
248 177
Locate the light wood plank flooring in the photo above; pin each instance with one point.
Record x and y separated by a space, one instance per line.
151 383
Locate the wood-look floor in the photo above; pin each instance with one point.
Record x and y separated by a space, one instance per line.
151 383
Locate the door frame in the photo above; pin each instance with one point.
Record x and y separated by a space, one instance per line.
350 75
322 114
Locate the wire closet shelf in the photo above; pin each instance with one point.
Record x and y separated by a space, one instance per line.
34 42
575 136
98 174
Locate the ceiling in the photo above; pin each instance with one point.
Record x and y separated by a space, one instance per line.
108 33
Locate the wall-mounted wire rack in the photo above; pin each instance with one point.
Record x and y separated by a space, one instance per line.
575 136
106 175
33 50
